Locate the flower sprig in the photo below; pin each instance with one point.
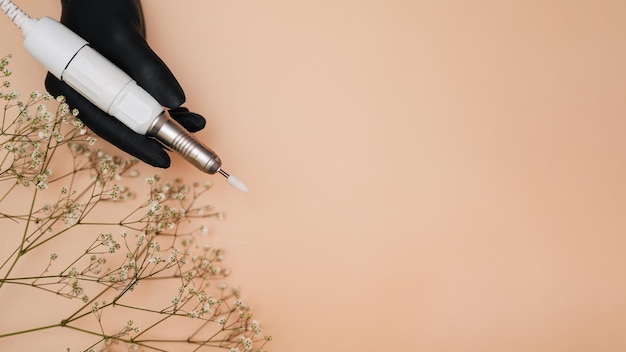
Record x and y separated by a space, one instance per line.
76 192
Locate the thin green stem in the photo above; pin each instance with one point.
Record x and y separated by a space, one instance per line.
21 246
30 330
9 191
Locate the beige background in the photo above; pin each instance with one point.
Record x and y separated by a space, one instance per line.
424 175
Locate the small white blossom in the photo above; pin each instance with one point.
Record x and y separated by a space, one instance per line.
12 95
58 136
64 109
246 342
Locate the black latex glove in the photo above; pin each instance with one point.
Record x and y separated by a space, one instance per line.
115 28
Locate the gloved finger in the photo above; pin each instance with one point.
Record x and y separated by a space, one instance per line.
115 30
109 128
191 121
150 72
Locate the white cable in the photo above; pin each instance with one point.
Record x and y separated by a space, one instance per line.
19 17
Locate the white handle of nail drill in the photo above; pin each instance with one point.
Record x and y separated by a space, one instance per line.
70 58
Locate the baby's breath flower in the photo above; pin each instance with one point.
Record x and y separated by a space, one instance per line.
214 269
58 136
154 207
77 290
247 343
47 115
42 185
64 109
73 273
255 326
12 95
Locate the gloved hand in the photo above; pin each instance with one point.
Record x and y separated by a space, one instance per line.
115 28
